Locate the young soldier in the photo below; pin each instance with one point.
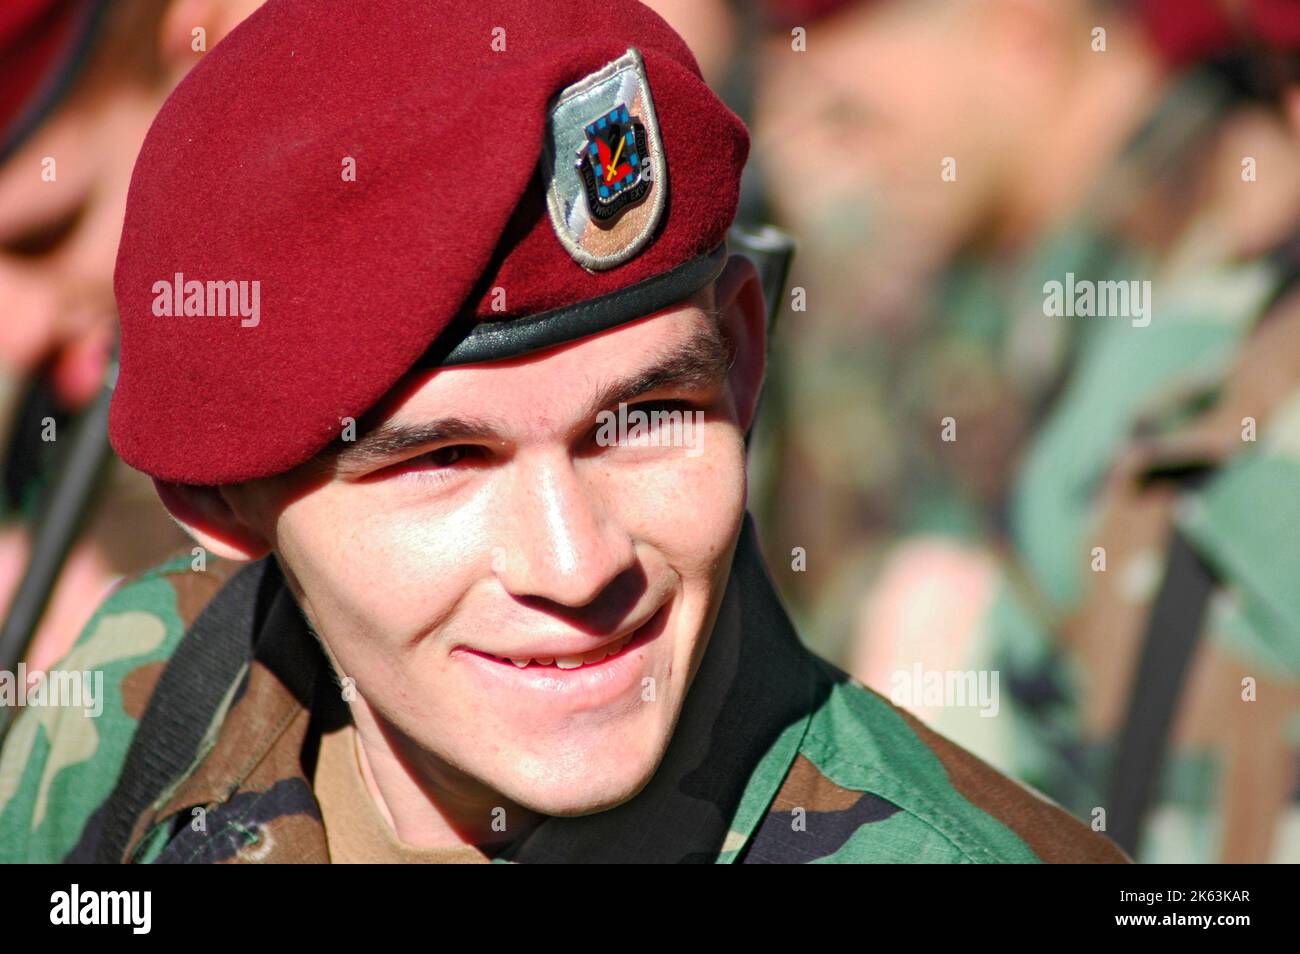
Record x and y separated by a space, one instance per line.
396 282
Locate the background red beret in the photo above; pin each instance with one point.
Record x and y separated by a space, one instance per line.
1185 31
1277 23
42 45
787 14
442 106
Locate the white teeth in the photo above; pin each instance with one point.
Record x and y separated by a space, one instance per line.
571 662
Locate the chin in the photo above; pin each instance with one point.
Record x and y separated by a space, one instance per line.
583 798
572 784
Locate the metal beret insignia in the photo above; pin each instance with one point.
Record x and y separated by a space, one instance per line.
603 164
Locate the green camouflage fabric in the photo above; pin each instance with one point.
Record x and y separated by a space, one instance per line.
58 765
1154 403
778 757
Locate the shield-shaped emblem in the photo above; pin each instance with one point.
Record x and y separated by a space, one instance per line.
603 164
610 164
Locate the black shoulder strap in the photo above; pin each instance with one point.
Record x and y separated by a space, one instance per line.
1172 631
1285 259
182 705
1171 635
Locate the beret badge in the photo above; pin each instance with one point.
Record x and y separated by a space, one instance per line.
610 166
607 198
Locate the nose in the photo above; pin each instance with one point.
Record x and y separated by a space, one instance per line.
559 541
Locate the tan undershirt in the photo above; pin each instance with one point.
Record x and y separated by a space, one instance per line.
355 830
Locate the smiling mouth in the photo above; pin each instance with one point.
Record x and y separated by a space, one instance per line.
594 658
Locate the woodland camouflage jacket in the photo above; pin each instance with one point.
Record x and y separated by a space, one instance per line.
777 757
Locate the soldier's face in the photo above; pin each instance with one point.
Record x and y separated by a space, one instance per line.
520 602
61 201
859 128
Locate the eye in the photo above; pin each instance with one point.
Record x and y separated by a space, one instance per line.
45 238
654 423
442 457
663 407
437 466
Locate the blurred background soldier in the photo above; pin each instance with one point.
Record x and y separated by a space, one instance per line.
1154 517
81 81
939 160
998 147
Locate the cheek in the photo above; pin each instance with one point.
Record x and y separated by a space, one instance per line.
687 508
377 572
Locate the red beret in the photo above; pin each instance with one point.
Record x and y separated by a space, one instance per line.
1185 31
42 45
341 191
787 14
1277 23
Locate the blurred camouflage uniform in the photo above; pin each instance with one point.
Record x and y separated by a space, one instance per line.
777 757
1144 410
1150 408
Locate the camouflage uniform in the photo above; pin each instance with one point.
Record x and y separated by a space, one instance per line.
778 756
1146 407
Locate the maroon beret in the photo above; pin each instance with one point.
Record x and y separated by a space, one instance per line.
342 191
43 43
1186 31
1276 23
787 14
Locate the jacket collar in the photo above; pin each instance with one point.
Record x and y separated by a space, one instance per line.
740 728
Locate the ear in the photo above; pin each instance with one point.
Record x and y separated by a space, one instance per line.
738 296
206 515
215 17
1291 104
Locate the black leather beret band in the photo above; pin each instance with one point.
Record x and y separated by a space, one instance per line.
497 340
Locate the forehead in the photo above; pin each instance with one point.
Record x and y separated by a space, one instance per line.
531 390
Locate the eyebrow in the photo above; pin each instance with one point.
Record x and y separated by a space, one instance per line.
701 362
